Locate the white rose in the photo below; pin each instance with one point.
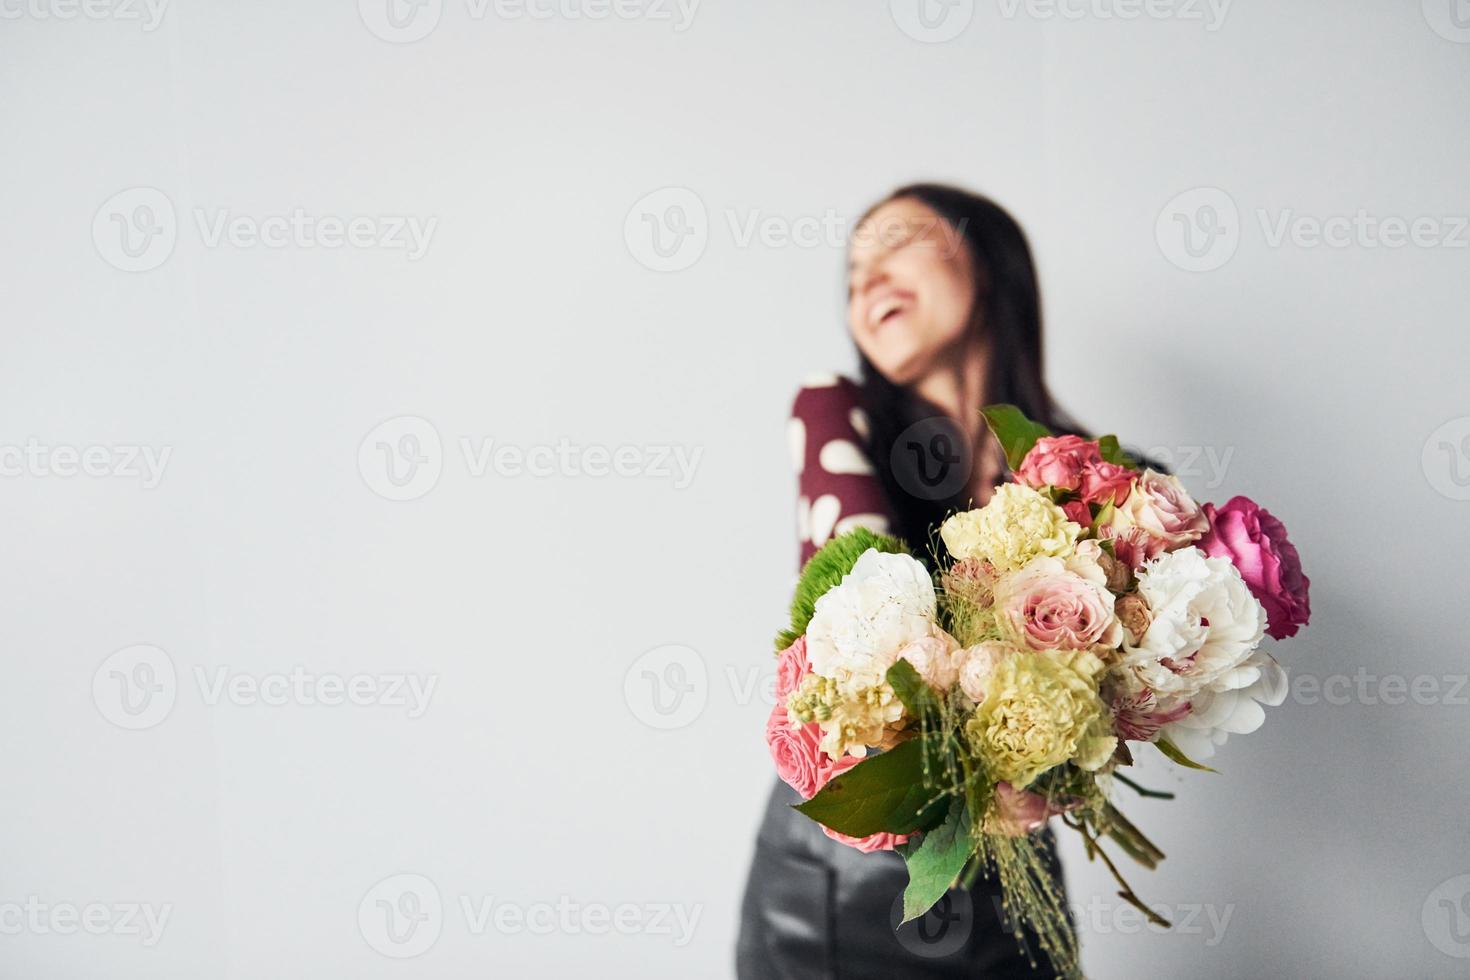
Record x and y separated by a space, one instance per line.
1205 625
859 626
977 663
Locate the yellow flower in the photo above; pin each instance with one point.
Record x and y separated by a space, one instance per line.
1017 525
1040 710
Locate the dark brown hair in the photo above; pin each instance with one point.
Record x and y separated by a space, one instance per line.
1007 315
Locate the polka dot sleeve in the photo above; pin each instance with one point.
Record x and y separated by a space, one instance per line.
836 484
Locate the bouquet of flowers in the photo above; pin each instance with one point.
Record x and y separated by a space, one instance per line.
1088 605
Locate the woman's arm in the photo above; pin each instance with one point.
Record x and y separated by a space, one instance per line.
837 486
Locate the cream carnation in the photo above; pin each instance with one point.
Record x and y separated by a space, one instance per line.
1017 524
1203 625
1041 710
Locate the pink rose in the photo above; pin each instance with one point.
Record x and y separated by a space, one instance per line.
1102 481
1058 461
1048 607
800 762
1078 513
1019 812
871 843
933 657
790 669
1256 543
1159 515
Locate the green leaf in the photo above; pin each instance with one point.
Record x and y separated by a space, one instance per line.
883 793
1014 431
1172 751
937 861
917 696
1104 514
1111 451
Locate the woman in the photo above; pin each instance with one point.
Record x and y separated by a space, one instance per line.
944 309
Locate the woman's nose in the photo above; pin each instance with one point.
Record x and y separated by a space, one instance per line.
873 275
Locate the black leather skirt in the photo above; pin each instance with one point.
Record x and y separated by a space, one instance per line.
815 908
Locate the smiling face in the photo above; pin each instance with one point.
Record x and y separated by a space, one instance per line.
911 289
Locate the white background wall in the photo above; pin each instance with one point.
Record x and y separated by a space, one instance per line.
1330 380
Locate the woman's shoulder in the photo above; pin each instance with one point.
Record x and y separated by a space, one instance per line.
824 397
829 429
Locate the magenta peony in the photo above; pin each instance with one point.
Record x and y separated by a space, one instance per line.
1256 543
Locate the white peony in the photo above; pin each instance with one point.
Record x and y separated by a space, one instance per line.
1216 714
1204 626
858 628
